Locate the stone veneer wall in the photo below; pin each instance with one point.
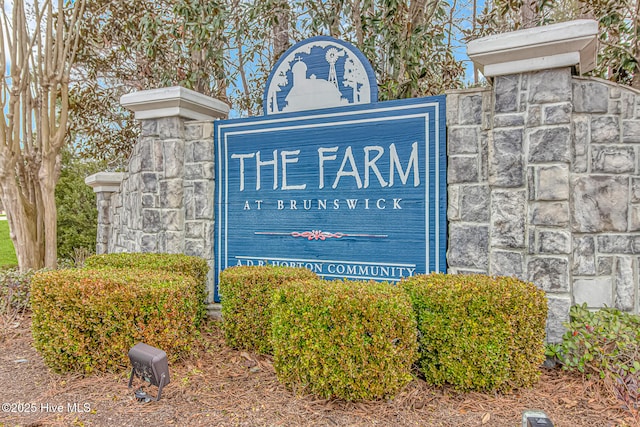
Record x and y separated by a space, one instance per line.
165 202
544 184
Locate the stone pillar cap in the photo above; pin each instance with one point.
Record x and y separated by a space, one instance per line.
553 46
105 182
174 101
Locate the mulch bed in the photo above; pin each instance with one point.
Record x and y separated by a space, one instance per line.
225 387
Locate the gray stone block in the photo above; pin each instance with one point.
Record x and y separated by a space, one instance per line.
144 152
149 182
203 199
149 127
552 182
468 247
173 158
615 106
605 130
590 97
635 190
453 202
631 131
171 127
625 279
150 221
471 109
617 244
462 169
193 131
475 203
634 218
534 116
463 140
549 145
149 201
628 105
605 265
508 214
584 258
171 194
453 100
558 314
612 159
158 154
194 229
203 150
172 219
550 213
193 171
508 120
507 263
194 248
506 159
557 114
596 292
554 242
506 93
580 143
550 86
549 274
149 243
600 203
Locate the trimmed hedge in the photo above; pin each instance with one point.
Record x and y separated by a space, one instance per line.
351 340
87 320
178 263
478 332
246 294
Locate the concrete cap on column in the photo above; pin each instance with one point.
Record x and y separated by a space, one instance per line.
541 48
174 101
105 182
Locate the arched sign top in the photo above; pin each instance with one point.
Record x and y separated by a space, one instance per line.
320 72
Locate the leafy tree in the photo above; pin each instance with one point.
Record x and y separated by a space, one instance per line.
619 29
39 46
76 203
226 48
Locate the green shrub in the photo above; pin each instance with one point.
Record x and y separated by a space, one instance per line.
178 263
14 291
351 340
87 320
246 294
77 216
605 343
478 332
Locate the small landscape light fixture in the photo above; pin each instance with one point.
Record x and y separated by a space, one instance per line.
150 364
535 418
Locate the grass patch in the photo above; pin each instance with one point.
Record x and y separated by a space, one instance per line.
7 252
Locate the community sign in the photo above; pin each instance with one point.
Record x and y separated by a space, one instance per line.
330 179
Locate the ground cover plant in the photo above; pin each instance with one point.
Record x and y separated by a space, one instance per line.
478 332
605 343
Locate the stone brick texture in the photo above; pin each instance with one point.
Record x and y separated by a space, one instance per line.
559 203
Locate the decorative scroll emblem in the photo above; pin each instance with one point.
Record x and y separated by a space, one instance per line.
320 235
321 72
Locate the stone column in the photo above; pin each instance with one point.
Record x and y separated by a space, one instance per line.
164 203
104 184
529 155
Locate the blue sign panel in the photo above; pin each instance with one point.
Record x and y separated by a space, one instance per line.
356 191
